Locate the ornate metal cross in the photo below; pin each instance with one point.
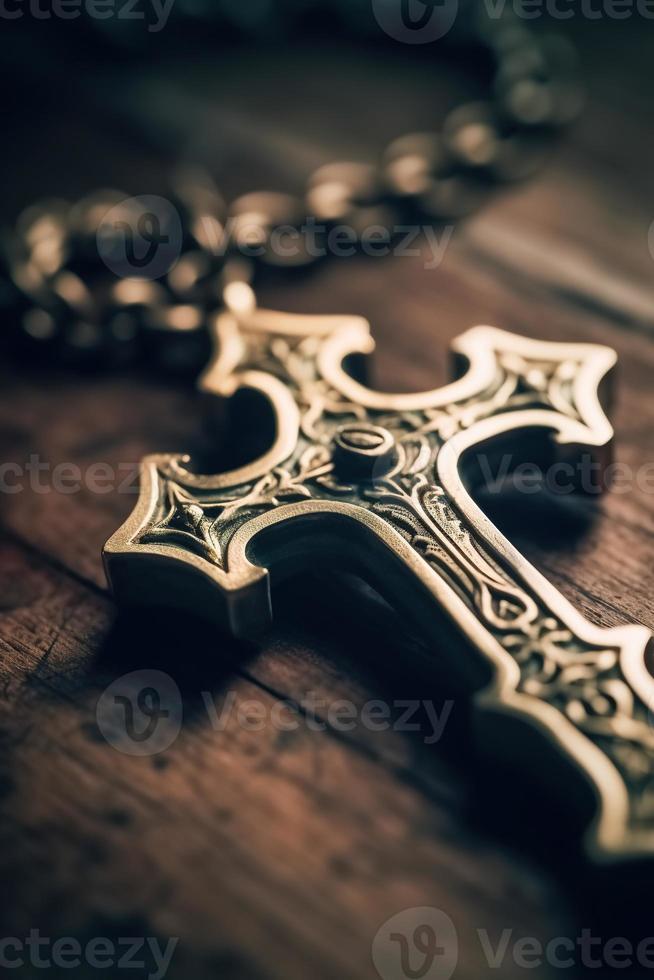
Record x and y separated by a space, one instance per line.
378 483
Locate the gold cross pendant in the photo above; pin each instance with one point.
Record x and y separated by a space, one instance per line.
379 484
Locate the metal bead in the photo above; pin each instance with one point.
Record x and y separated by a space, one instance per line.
68 299
268 227
24 321
420 169
38 324
203 211
350 194
40 330
127 306
194 278
529 102
29 281
484 143
133 294
411 162
42 218
71 290
536 84
178 319
176 338
41 236
472 136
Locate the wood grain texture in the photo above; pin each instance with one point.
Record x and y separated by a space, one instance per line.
271 854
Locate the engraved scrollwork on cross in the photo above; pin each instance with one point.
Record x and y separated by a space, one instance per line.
379 477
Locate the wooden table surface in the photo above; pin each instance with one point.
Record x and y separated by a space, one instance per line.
280 854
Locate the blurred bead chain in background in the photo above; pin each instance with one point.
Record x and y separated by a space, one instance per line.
76 290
